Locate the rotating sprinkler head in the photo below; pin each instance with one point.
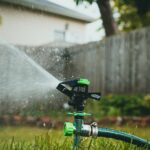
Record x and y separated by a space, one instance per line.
77 91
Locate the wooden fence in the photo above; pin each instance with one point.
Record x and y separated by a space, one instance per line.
119 64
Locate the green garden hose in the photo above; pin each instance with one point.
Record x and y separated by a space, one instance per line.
110 133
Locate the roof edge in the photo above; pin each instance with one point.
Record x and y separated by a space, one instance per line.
50 7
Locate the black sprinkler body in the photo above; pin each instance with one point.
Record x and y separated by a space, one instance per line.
77 91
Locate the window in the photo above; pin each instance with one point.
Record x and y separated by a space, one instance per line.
59 35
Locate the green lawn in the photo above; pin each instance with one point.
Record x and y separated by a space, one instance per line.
32 138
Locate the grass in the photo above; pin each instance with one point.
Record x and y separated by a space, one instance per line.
32 138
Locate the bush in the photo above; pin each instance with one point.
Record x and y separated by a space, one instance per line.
121 105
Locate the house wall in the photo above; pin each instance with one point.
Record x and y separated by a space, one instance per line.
24 26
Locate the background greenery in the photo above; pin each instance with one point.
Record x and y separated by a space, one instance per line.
133 14
110 105
121 105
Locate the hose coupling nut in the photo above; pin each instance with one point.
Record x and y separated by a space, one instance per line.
94 130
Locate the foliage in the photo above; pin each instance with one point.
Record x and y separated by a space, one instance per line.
110 105
124 105
106 15
133 14
81 1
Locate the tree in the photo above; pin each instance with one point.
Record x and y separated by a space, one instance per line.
133 14
106 15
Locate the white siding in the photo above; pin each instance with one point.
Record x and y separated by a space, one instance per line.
27 27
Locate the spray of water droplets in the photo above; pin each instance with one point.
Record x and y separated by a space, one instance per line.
21 79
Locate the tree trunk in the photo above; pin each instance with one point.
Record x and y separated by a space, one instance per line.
107 17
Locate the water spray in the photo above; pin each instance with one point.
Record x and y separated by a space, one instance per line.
77 91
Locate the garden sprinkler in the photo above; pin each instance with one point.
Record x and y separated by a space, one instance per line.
77 91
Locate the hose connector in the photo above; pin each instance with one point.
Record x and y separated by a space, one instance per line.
68 129
86 130
94 129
